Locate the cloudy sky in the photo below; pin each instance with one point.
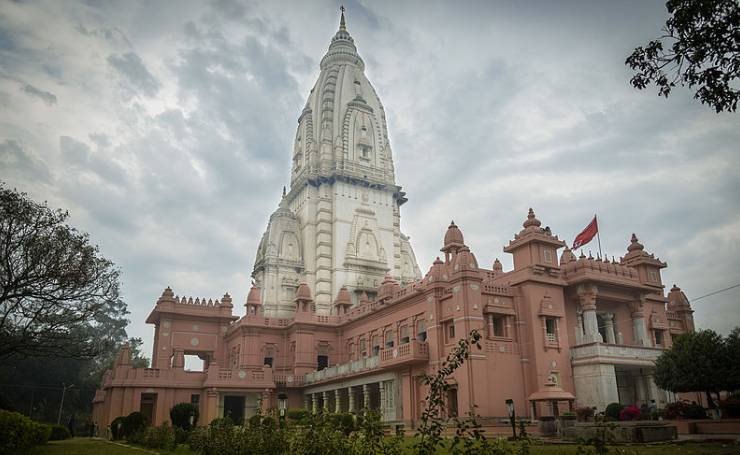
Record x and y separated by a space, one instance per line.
166 129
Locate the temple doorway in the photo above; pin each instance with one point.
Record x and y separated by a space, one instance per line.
234 408
452 402
147 406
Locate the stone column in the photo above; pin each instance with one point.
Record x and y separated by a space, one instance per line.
579 327
490 325
351 399
314 403
382 399
337 401
366 396
325 396
639 328
640 392
587 296
653 393
609 323
306 402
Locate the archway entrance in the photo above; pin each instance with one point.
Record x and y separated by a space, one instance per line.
234 408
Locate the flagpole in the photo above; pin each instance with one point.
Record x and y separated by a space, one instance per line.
598 237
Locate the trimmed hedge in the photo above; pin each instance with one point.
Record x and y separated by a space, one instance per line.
18 433
181 413
613 410
59 432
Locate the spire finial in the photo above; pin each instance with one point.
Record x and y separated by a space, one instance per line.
283 190
342 25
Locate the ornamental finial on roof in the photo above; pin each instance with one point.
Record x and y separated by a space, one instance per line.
342 25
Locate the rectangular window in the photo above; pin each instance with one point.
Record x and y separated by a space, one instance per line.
363 347
376 345
421 330
658 337
322 361
499 326
195 399
268 361
405 338
449 328
551 330
389 338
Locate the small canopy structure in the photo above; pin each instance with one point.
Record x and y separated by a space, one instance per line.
551 394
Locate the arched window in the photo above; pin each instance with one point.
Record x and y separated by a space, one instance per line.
375 344
421 330
390 336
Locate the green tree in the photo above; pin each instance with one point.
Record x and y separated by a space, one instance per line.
54 284
697 362
732 345
700 47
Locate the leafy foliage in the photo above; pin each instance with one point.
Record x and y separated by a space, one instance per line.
59 432
684 410
181 413
697 362
54 284
612 410
700 47
18 433
629 413
432 423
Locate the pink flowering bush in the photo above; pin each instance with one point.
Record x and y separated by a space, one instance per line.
629 413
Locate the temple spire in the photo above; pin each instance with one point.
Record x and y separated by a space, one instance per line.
342 25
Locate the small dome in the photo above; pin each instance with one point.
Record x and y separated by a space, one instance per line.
677 300
388 288
436 271
303 292
635 245
254 298
343 297
531 220
453 236
464 260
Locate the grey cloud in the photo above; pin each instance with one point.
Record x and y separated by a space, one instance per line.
79 155
47 97
132 68
24 164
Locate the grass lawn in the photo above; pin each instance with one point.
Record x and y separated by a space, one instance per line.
85 446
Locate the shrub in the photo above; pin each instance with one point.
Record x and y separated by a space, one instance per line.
18 433
584 413
133 423
684 410
116 428
297 415
59 432
161 437
630 413
695 411
730 407
344 422
181 415
613 410
255 420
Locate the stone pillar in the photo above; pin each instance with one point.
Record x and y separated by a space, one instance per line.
366 396
609 323
325 396
382 399
639 328
351 399
490 325
587 296
265 402
579 327
314 403
306 402
337 401
640 389
653 392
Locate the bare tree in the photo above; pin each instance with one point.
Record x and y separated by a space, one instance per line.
54 285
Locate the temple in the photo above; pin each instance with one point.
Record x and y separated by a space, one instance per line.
339 318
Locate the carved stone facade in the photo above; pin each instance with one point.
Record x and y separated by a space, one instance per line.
339 317
346 226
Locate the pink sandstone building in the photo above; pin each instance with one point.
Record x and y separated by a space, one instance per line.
339 317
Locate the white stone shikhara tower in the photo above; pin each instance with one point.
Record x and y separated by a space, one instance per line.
339 225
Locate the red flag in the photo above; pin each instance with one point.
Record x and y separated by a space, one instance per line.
587 234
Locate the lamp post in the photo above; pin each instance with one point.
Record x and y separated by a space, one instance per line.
512 415
61 403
